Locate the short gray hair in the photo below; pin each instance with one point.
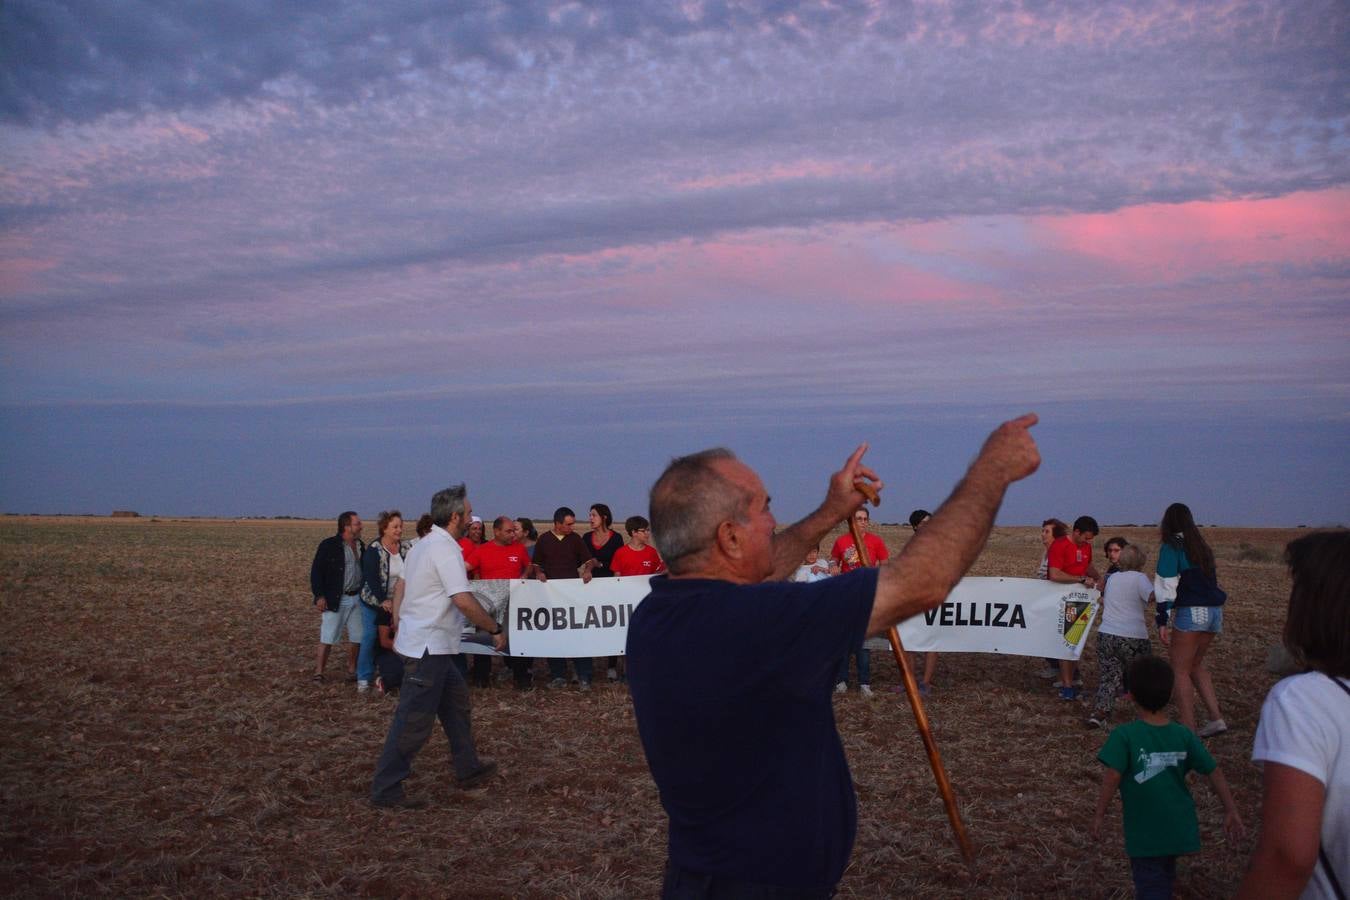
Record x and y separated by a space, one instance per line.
688 502
1132 558
447 503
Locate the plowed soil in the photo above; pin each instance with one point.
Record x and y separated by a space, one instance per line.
162 737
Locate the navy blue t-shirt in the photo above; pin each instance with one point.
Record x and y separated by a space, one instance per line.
732 689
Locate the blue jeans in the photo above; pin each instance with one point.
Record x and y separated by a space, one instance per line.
864 666
1153 876
365 660
432 689
557 668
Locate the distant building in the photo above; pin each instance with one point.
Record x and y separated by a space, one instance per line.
125 514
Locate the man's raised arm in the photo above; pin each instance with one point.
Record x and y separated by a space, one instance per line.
939 554
791 544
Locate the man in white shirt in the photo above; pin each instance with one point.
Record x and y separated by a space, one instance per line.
436 601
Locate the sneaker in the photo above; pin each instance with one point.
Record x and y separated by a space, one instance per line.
584 687
486 769
1218 726
401 802
1048 672
1068 693
865 690
612 674
362 686
379 684
557 683
1096 721
841 687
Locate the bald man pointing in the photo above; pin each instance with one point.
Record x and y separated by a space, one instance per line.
731 669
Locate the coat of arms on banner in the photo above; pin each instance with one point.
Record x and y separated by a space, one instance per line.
493 595
1077 615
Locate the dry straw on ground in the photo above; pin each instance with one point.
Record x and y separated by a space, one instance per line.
162 738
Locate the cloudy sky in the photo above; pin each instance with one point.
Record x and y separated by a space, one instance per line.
285 259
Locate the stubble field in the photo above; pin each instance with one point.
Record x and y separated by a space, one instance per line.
161 737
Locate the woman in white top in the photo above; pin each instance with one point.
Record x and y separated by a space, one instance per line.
1304 736
1123 635
382 567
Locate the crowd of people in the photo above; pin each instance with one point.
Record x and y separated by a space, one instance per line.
358 587
727 559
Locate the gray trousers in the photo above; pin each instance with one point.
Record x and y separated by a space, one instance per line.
432 689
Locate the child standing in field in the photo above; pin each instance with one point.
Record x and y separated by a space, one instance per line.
1147 760
637 557
1112 551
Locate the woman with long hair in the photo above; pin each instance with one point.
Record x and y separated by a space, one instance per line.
1190 614
528 535
603 542
382 566
1303 741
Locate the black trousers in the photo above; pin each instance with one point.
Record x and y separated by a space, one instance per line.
683 884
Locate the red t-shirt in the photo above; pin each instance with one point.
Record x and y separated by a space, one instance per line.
628 561
1068 557
496 561
876 551
470 551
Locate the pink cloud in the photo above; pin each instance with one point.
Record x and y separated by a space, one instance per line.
1303 227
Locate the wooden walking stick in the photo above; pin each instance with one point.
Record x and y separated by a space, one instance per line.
915 701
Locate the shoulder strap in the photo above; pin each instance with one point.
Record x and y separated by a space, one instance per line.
1340 684
1331 874
1321 850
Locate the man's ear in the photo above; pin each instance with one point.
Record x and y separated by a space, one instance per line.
729 540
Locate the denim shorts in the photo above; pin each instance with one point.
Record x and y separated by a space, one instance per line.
345 618
1198 618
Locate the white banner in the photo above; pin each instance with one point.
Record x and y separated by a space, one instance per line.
1018 616
571 618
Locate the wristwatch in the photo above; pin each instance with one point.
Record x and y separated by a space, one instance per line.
497 632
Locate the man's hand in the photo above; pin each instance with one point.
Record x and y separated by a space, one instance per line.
499 641
843 498
1010 452
1164 635
321 603
586 575
933 561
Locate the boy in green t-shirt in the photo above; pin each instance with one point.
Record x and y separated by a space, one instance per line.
1147 760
